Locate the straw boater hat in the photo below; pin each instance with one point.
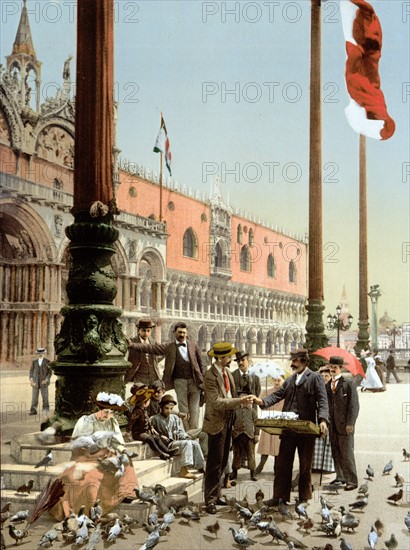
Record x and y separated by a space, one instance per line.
111 401
167 398
336 360
222 349
145 323
40 350
240 355
141 396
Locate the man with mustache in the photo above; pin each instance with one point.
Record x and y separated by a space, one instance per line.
304 393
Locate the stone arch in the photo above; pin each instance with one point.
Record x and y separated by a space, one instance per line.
12 119
55 142
155 261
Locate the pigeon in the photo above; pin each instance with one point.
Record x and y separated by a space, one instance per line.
152 540
305 524
241 538
168 519
300 509
114 532
127 523
395 497
388 468
146 497
213 528
48 436
372 538
392 543
46 461
16 534
96 511
245 513
327 546
331 488
5 513
349 521
406 455
407 521
283 510
363 489
399 480
370 472
114 464
48 538
25 488
345 545
274 531
379 527
296 543
257 516
19 516
332 529
95 538
263 526
360 504
81 535
189 515
153 518
324 503
325 513
259 495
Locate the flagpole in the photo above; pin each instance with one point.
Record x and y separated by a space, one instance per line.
160 179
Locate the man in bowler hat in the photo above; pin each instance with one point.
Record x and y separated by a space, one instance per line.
243 380
39 376
144 367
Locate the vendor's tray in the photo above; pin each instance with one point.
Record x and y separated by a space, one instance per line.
278 426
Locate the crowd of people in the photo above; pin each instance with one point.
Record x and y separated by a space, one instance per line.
170 425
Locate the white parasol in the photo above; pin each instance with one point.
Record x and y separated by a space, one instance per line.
263 370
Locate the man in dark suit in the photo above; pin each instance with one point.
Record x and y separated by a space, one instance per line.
183 372
144 367
221 401
39 376
344 410
304 393
243 380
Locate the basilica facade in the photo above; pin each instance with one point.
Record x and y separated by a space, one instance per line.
227 275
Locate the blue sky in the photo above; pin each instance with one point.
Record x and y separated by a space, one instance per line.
185 57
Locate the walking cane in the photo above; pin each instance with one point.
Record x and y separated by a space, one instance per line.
323 460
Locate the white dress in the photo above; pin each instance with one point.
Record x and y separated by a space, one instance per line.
372 380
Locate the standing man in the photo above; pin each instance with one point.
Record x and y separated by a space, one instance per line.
221 401
304 393
183 371
391 368
144 367
344 410
40 375
243 380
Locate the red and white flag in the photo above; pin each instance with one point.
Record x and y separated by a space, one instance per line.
162 145
367 111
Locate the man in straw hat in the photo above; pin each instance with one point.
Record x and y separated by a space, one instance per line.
39 376
344 410
144 366
304 393
220 403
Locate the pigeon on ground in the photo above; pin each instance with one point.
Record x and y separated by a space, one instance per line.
274 531
115 531
213 528
372 538
395 497
331 488
360 504
152 540
363 489
168 519
300 509
406 455
19 516
241 538
259 495
244 512
81 535
407 521
283 510
296 543
332 529
16 534
48 538
325 513
349 521
153 517
96 511
392 543
345 545
399 480
257 516
25 489
145 496
378 525
128 522
189 515
263 526
305 524
46 461
327 546
324 503
388 468
95 538
370 472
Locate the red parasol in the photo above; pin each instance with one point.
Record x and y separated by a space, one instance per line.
353 364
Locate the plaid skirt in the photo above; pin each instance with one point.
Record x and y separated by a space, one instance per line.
328 464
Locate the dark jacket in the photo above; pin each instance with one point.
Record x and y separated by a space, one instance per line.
310 396
254 383
244 422
135 357
343 404
139 422
170 350
40 373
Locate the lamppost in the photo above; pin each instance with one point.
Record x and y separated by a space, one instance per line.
335 322
394 331
374 295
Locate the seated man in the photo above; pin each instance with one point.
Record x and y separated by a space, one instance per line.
168 424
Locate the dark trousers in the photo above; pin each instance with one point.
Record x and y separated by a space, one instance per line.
218 452
44 395
243 445
284 465
343 456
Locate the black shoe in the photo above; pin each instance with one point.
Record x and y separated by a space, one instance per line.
32 413
338 482
164 456
222 501
211 509
350 487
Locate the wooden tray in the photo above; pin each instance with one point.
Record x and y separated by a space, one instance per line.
278 426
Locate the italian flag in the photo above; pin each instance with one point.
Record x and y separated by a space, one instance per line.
162 145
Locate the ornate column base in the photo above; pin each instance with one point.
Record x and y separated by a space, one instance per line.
363 337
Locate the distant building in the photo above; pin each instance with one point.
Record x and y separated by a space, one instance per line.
230 277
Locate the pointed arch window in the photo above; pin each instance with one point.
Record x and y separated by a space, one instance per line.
190 244
245 258
292 272
239 234
271 267
250 237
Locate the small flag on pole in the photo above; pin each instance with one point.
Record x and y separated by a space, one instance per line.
162 145
367 111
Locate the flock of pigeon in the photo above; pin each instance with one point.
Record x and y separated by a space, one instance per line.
87 528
